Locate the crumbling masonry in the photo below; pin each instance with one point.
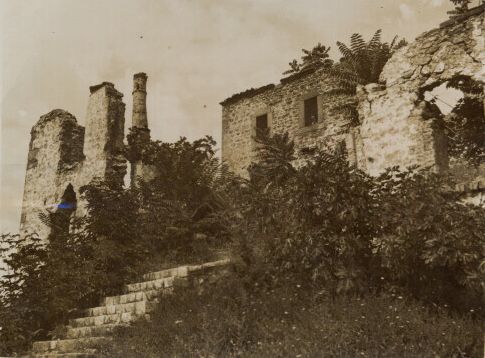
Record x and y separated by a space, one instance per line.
397 126
64 155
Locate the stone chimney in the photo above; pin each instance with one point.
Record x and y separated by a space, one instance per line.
139 118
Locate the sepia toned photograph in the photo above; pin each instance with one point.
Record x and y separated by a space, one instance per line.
242 178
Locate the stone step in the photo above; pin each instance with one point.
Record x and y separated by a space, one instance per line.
137 307
64 355
158 284
92 331
84 345
131 297
117 318
85 333
181 271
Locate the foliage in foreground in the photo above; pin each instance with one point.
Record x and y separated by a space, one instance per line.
232 319
339 230
325 228
171 220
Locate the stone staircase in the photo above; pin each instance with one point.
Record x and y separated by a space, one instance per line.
85 333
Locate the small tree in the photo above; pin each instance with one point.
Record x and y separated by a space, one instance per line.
126 232
317 56
465 126
361 63
332 227
461 5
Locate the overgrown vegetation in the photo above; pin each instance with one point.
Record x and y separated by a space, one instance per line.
228 321
461 5
331 261
361 63
465 126
322 236
346 231
316 57
324 254
171 220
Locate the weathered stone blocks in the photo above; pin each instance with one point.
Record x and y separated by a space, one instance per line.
84 334
61 152
283 104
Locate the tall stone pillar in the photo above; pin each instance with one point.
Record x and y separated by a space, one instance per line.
139 118
103 142
139 135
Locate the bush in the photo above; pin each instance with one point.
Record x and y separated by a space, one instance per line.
43 284
170 220
429 243
338 230
316 236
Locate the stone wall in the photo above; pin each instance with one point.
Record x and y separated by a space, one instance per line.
51 157
104 135
398 127
284 105
61 152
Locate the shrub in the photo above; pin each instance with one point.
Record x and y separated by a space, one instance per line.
172 219
338 230
43 284
429 243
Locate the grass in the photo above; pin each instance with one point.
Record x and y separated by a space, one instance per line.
225 320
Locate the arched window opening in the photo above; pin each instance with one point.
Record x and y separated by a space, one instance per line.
61 218
461 103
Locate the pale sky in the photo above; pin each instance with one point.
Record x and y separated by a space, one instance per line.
195 53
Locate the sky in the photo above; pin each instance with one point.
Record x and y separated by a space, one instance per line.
195 52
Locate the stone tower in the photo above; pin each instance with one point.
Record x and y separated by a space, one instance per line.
139 118
64 156
139 132
55 155
103 143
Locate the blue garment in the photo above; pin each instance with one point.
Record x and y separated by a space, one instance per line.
66 206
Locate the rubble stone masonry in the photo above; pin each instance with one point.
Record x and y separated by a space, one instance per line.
397 127
283 105
61 152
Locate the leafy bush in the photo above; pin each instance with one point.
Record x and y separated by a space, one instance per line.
461 5
428 242
313 226
43 284
465 126
316 57
338 230
172 219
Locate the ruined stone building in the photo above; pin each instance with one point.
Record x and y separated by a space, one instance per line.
396 125
64 156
